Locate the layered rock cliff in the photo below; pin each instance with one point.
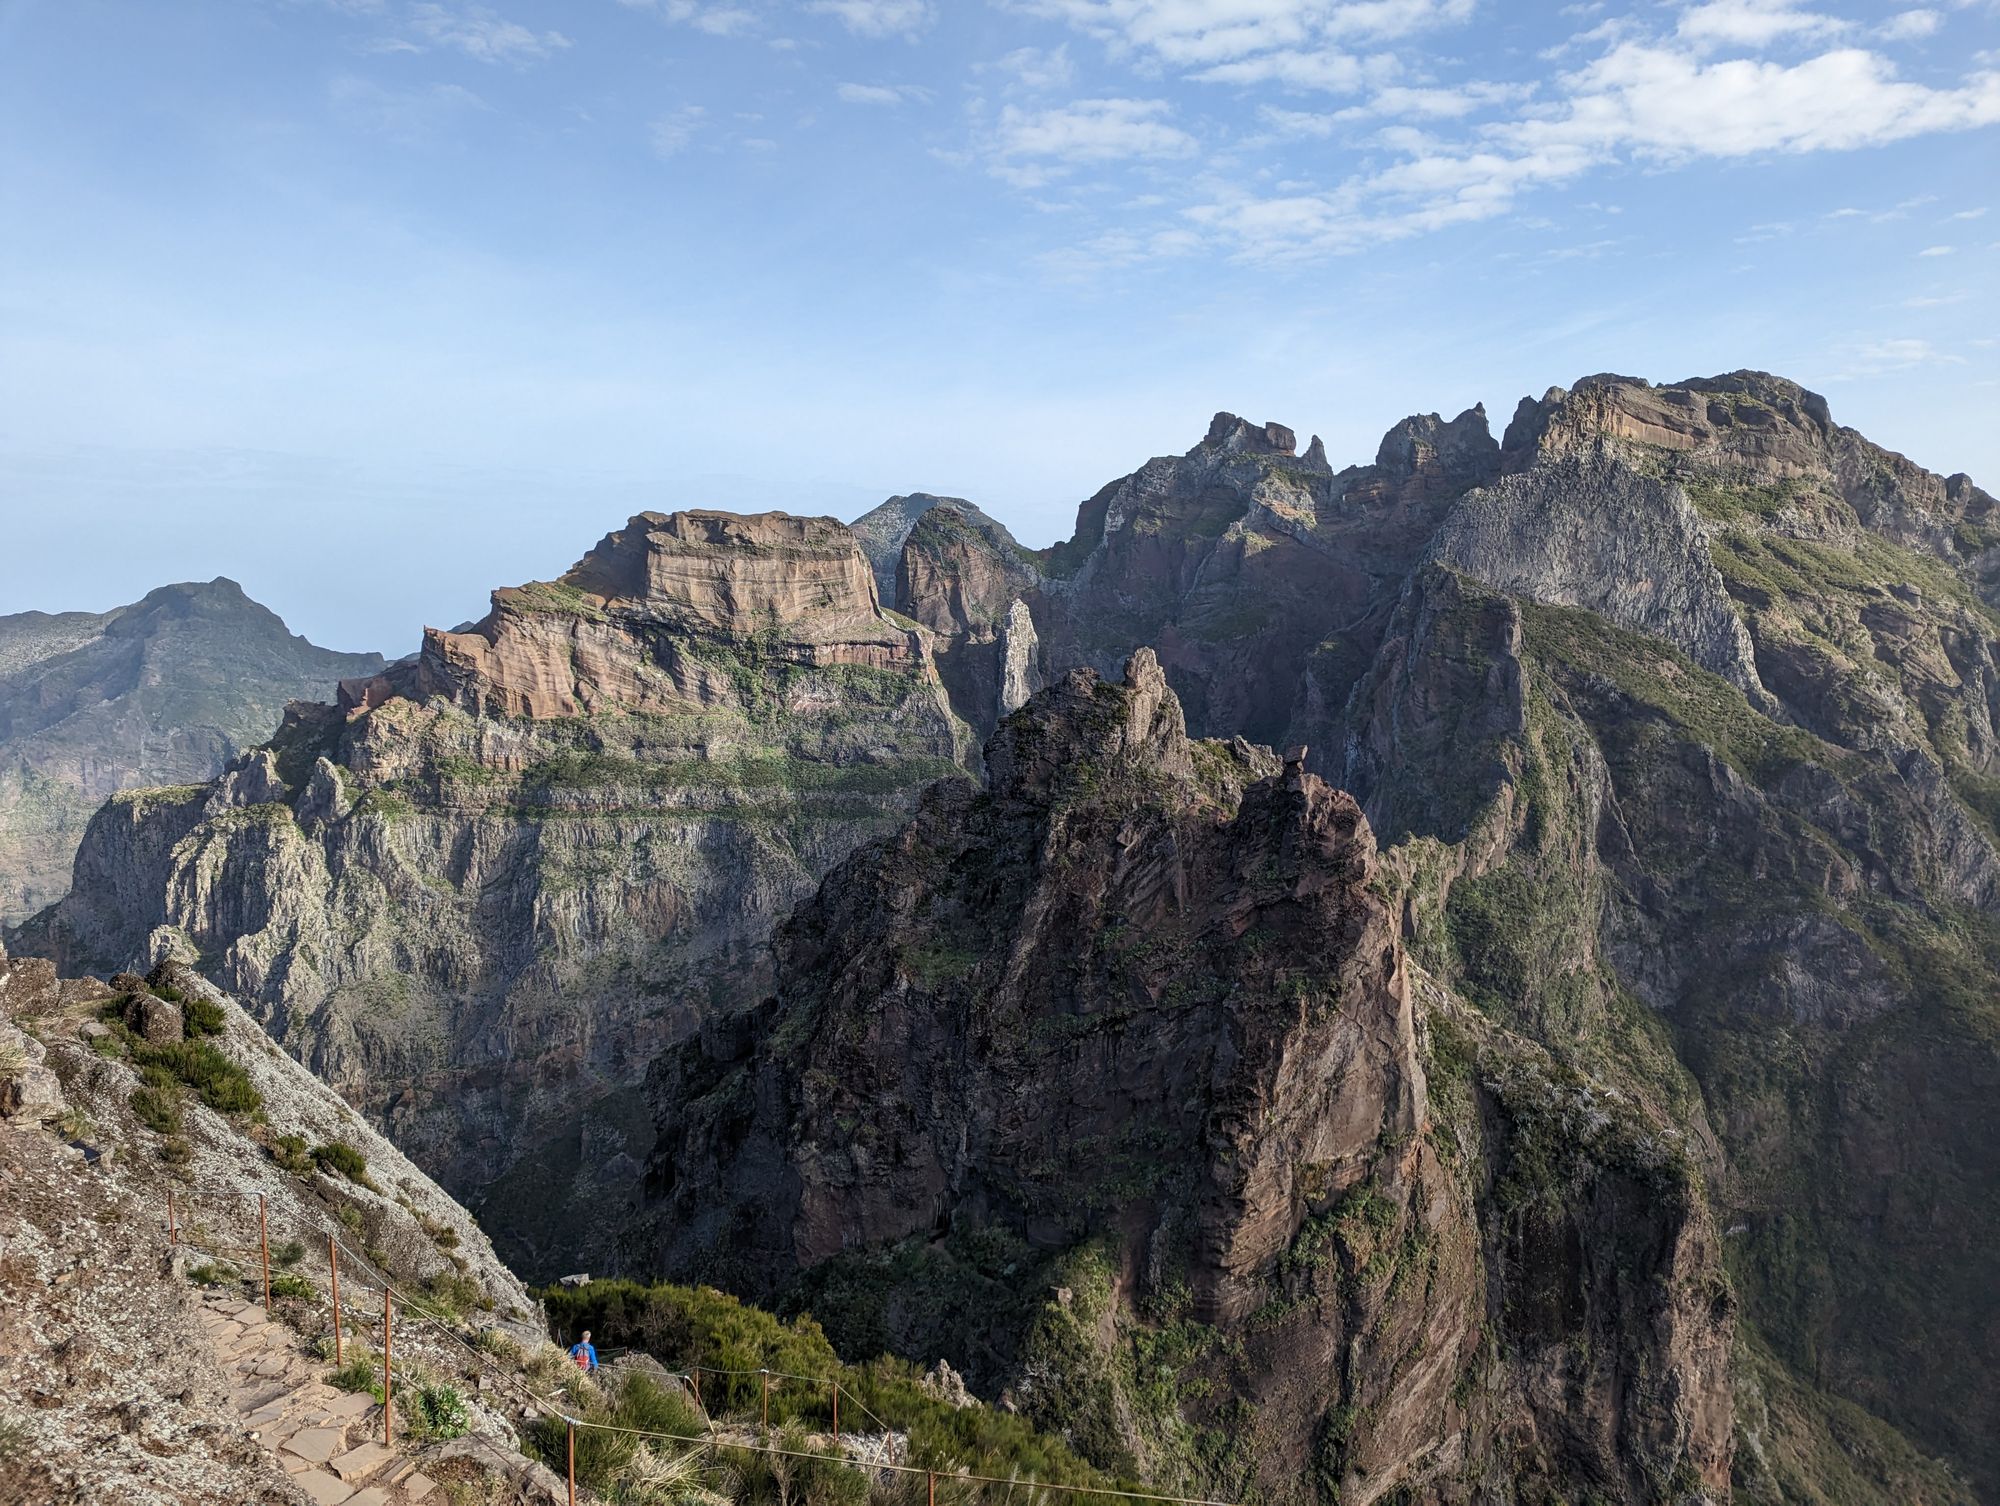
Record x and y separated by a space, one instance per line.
1286 1219
484 889
162 692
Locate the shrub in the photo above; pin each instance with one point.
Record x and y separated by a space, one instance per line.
74 1124
290 1253
212 1273
341 1157
14 1440
291 1153
350 1218
175 1151
358 1374
455 1293
323 1347
157 1101
500 1345
200 1016
439 1412
288 1284
169 993
216 1080
602 1458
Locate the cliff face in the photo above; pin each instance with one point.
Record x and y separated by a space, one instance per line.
481 892
161 692
1675 714
1139 1010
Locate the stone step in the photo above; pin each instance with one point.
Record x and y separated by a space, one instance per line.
418 1487
316 1444
324 1489
357 1464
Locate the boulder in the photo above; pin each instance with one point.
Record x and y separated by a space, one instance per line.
159 1022
29 1091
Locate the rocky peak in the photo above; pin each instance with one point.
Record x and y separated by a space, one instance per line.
602 637
1751 415
1235 435
728 572
1083 720
1449 456
883 530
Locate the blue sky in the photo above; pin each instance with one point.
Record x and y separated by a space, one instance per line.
377 304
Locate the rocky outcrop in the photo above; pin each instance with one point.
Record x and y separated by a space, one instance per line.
161 692
483 891
969 583
1140 1006
1589 531
882 530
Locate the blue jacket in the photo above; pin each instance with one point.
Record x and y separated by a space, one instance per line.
588 1351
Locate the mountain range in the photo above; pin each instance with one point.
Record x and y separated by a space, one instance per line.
164 691
1468 977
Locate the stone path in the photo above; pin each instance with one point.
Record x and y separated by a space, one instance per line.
329 1441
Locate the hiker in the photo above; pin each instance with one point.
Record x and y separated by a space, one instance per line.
584 1352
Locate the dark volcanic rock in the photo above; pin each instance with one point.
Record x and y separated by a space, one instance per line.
1141 1006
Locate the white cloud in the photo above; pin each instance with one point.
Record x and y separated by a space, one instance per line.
673 134
1939 251
1196 33
1664 103
1649 101
715 19
1753 23
479 33
877 18
1877 357
1440 103
1037 69
882 94
1334 72
1910 25
1031 146
1968 214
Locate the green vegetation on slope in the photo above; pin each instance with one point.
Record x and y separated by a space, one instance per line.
683 1327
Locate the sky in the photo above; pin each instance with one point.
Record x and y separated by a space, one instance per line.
375 305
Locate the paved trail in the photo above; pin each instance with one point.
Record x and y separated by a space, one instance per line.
328 1441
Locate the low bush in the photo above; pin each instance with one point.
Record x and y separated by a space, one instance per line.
682 1326
456 1294
215 1079
212 1273
200 1017
439 1411
292 1153
289 1254
360 1373
288 1284
157 1101
602 1458
175 1151
339 1156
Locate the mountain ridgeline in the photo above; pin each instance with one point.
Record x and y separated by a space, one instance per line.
1566 1070
162 692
